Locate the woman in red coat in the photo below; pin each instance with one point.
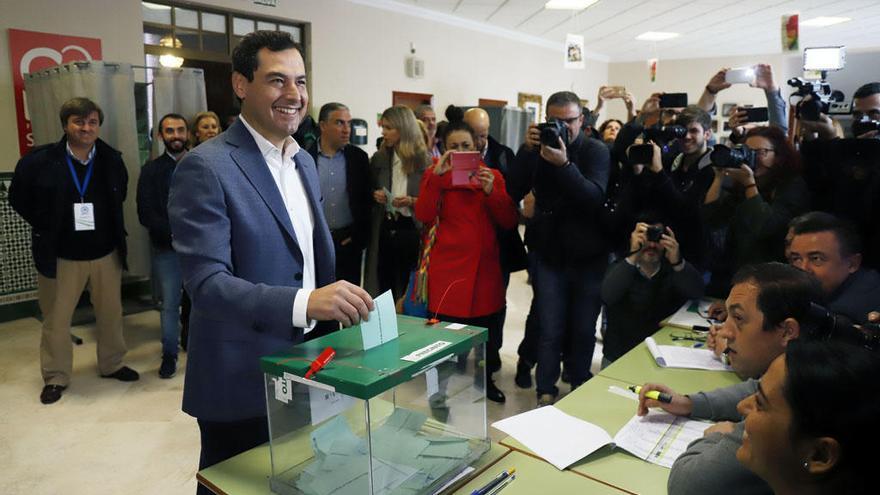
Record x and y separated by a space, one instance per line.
464 272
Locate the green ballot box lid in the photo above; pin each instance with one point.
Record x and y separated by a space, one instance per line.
366 374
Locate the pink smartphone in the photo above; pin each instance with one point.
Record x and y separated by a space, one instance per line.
465 165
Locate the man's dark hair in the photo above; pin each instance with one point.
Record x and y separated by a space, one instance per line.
693 113
170 116
79 107
563 98
244 56
783 291
457 125
865 90
328 108
819 221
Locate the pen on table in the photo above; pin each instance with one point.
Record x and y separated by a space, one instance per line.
484 490
502 485
653 394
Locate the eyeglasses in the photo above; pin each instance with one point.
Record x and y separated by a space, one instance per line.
763 151
565 121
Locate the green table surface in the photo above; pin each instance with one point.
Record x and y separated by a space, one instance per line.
535 476
592 402
637 367
248 473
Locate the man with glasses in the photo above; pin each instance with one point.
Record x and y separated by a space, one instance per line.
568 176
343 171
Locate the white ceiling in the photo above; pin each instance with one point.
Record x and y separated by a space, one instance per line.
708 27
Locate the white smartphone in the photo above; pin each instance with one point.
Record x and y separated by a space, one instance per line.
742 75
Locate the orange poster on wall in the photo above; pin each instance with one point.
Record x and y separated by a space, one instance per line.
31 51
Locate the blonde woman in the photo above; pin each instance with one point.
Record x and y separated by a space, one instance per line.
395 172
205 125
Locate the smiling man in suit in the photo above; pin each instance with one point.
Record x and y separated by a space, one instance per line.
256 253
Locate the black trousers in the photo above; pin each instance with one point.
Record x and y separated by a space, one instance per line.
348 256
493 347
398 254
222 440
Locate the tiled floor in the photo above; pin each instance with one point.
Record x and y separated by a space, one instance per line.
109 437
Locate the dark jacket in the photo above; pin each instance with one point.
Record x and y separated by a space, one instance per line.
37 194
360 197
857 296
510 244
152 199
566 228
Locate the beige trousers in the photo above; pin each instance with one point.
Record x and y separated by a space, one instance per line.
103 276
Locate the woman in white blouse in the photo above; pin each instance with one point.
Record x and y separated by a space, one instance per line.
396 172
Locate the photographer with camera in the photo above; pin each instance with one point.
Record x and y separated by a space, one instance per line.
756 192
644 287
568 174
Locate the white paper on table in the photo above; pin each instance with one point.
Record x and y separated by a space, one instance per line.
685 318
673 356
659 437
558 438
325 404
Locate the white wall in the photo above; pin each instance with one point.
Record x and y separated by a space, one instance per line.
357 55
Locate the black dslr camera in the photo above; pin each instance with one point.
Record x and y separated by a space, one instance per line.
829 326
824 99
664 134
654 233
551 131
724 157
865 125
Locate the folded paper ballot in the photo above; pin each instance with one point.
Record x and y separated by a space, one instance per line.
672 356
658 437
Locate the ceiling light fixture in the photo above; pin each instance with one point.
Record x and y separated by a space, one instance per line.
170 61
569 4
824 21
656 36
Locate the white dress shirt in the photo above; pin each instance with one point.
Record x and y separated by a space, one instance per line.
283 169
399 182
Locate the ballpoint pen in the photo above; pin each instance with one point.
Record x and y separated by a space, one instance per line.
485 489
502 485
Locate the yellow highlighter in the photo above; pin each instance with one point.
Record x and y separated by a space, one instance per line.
653 394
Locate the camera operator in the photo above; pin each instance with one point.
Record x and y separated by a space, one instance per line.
568 175
644 287
844 175
756 204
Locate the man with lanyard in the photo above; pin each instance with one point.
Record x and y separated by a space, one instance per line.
152 206
71 193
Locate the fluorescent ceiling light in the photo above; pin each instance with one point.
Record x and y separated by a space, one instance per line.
569 4
656 36
155 6
824 21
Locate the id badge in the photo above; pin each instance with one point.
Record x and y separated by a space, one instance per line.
83 216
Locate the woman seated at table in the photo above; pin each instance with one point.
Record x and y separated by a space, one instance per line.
811 427
464 281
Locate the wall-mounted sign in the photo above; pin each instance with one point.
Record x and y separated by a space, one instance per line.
31 51
574 51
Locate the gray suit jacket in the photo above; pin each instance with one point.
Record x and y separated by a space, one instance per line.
242 267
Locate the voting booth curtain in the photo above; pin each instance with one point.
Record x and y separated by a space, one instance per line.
111 86
179 91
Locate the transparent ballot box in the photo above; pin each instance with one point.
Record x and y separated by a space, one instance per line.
405 417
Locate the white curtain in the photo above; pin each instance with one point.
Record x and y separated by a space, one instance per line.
177 91
111 86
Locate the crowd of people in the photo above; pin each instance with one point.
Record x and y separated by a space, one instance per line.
279 237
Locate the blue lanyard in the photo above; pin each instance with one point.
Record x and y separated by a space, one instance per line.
81 189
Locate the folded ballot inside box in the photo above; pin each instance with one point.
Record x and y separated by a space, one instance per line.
397 418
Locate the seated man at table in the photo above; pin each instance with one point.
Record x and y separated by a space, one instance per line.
645 287
768 307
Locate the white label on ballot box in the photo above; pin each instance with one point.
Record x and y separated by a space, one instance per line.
325 404
283 389
83 216
426 351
